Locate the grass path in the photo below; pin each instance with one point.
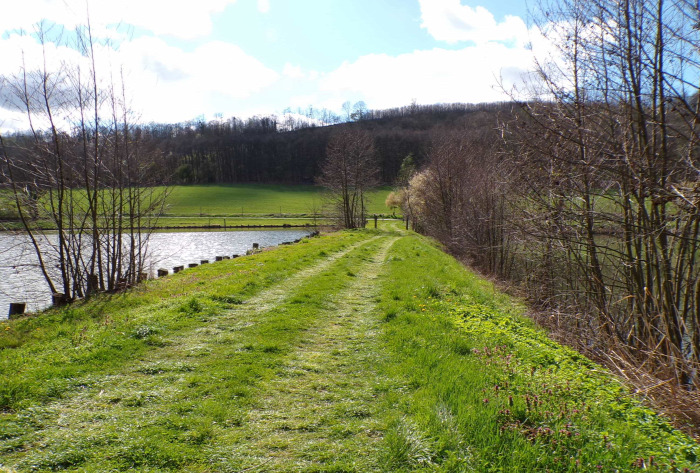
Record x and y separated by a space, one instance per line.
355 352
192 372
322 408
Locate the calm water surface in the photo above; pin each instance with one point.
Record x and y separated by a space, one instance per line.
22 281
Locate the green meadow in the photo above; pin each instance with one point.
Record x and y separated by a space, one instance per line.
246 204
352 352
236 205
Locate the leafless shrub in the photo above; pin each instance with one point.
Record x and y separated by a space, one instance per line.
460 197
82 170
609 184
349 171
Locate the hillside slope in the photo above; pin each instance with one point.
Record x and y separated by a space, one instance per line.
356 351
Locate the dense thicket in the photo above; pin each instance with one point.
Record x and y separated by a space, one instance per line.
591 200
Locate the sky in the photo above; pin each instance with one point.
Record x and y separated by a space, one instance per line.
221 58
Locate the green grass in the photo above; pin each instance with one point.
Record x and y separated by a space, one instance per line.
263 199
485 389
233 222
232 205
7 205
357 351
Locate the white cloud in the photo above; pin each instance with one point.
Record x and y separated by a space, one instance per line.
450 21
13 120
271 35
181 18
303 101
169 84
439 75
263 6
20 54
164 83
173 85
293 72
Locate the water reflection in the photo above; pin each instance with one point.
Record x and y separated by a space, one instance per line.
22 281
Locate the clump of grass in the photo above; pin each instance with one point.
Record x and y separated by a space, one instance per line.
228 300
431 291
144 331
191 307
408 448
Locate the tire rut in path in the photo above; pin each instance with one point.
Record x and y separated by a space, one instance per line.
322 408
246 314
273 296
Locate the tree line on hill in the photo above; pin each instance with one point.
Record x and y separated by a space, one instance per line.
261 149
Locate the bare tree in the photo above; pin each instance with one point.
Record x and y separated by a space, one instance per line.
81 170
349 171
359 111
347 110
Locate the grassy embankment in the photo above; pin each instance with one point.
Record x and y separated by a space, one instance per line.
236 205
357 351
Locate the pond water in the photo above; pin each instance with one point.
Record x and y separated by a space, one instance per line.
22 281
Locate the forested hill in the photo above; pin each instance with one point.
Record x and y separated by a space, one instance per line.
265 150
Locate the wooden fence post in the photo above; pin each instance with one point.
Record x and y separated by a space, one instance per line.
58 299
93 284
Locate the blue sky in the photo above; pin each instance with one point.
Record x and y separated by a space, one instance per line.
243 57
322 34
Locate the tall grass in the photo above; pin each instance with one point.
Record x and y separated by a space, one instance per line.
484 390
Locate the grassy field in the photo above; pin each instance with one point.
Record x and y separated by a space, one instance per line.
229 222
357 351
260 199
251 204
237 205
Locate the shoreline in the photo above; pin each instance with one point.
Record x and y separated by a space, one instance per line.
192 227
